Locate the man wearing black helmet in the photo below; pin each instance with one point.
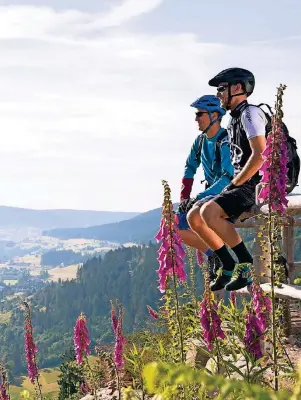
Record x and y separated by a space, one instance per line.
211 221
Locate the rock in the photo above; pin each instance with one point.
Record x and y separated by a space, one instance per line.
194 355
266 348
106 394
240 364
292 340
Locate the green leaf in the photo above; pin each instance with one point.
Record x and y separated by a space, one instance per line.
233 367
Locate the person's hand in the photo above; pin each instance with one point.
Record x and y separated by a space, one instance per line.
190 204
182 206
229 187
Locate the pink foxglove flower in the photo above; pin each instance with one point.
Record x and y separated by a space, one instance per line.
114 319
252 336
118 349
30 346
210 321
233 296
152 312
200 257
171 253
262 305
274 168
85 388
81 339
4 395
119 338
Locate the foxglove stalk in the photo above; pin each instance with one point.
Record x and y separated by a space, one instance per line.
171 253
30 347
274 180
81 339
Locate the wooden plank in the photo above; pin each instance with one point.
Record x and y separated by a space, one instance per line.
285 292
293 208
290 248
297 265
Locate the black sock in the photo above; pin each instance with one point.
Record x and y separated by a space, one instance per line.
226 258
242 253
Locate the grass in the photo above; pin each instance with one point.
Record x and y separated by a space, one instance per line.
48 380
5 317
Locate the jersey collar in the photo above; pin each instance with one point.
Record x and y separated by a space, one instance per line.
238 109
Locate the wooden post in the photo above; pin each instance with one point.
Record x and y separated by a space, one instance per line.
288 251
290 248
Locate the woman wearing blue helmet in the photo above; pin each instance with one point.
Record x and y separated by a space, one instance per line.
211 150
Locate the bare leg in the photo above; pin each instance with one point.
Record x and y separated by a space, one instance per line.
214 217
199 226
190 238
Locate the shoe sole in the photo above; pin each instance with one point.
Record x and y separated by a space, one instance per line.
219 288
249 282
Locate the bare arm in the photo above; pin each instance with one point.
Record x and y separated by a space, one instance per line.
254 162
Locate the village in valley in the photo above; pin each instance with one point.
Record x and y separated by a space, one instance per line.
28 264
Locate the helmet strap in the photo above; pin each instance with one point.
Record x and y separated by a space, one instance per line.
230 96
212 122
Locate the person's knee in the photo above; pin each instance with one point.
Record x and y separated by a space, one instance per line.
210 213
193 217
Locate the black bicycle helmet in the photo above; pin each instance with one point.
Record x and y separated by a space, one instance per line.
235 75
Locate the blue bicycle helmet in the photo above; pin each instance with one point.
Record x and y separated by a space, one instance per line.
209 103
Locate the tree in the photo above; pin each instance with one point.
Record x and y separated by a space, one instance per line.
71 376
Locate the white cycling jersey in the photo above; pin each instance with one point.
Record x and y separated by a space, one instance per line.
253 121
247 122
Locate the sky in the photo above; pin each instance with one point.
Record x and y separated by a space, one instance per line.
95 94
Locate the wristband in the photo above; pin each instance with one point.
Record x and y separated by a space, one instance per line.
186 188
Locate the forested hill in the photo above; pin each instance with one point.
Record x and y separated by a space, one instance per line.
139 229
128 274
46 219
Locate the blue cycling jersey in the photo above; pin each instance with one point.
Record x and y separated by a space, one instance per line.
217 174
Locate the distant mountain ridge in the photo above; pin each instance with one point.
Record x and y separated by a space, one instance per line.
14 217
140 229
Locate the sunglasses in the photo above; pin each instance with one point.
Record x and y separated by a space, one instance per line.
221 88
200 113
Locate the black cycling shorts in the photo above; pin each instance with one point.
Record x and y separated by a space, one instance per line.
238 200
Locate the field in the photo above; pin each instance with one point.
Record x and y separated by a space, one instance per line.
65 273
48 380
5 317
10 282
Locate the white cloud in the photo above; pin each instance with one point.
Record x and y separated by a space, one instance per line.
126 10
97 122
44 22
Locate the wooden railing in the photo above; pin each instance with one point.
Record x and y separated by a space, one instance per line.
252 220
